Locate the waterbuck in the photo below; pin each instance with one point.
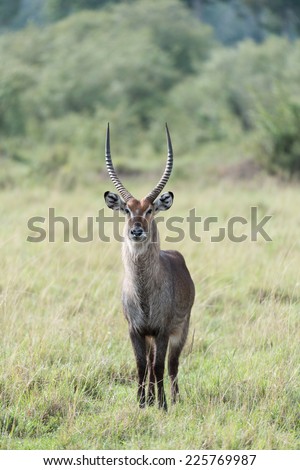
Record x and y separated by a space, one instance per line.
158 292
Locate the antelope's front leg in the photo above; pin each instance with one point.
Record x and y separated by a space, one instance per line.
159 367
151 374
139 347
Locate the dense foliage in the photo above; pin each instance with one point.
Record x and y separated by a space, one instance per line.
232 20
118 65
125 64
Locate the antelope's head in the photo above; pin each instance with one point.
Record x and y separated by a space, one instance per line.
139 213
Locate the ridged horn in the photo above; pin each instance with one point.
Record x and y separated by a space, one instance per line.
112 172
166 175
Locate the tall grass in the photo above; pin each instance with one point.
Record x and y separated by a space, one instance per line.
67 368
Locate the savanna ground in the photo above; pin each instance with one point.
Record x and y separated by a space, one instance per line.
67 367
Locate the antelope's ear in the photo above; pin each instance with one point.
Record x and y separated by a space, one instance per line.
164 202
113 201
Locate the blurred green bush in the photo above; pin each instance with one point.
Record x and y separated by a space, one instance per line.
138 65
117 65
280 136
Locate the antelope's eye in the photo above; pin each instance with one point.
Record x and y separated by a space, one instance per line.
127 210
149 211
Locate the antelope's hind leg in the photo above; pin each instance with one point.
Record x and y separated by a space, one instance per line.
175 347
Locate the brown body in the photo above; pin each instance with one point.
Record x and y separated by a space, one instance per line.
158 294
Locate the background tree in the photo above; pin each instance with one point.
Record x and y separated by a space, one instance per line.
57 9
8 11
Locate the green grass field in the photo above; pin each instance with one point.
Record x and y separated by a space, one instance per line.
67 368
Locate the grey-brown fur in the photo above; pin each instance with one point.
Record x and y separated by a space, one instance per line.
158 292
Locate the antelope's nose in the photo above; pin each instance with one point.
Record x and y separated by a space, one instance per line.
137 232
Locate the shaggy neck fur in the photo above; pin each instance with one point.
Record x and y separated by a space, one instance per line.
141 264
